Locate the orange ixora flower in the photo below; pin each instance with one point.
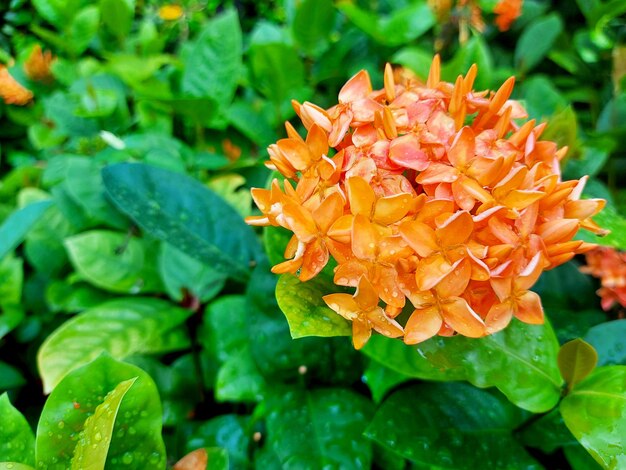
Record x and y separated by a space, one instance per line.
608 265
507 11
432 198
11 91
37 66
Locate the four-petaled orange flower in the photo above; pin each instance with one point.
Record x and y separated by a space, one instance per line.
38 64
609 265
432 199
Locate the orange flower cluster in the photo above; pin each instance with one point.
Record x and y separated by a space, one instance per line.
608 265
430 192
38 64
11 91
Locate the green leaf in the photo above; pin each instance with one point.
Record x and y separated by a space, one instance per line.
10 318
238 379
136 441
547 433
17 441
117 16
16 226
380 379
57 12
275 240
530 50
450 426
115 262
306 311
95 438
400 27
608 219
121 327
595 412
10 377
541 97
579 458
254 120
11 280
213 64
415 58
277 71
312 24
230 432
608 341
476 52
330 424
183 274
181 211
576 359
14 466
520 361
82 29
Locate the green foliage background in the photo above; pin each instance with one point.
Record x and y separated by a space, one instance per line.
132 291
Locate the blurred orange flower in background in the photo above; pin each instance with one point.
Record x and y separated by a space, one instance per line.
11 91
427 192
608 265
507 11
38 64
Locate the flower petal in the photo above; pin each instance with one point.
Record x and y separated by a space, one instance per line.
420 237
423 324
460 316
529 309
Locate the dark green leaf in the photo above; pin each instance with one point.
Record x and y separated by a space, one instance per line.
11 280
547 433
136 441
595 412
17 441
213 63
115 262
330 424
450 426
178 209
381 379
608 340
17 225
306 311
238 379
530 51
82 29
183 274
10 377
121 327
520 361
227 431
576 359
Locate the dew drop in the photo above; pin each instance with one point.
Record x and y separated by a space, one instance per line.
61 425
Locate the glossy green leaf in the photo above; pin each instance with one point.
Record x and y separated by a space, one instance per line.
608 341
230 432
178 209
121 327
312 24
520 361
16 226
579 458
595 412
136 441
183 274
400 27
380 379
330 424
306 311
57 12
14 466
95 438
115 261
275 240
62 296
17 440
450 426
212 65
529 51
608 219
576 359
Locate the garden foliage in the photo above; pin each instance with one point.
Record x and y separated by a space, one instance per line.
140 324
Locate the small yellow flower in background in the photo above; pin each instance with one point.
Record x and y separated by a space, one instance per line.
429 195
170 12
37 66
11 91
